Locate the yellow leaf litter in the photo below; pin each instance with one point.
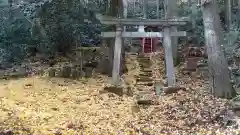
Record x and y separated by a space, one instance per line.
55 106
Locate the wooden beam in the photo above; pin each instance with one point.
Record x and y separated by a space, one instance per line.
117 56
171 80
143 34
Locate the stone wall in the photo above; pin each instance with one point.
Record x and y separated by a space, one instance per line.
85 62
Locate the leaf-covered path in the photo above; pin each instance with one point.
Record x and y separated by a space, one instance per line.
43 106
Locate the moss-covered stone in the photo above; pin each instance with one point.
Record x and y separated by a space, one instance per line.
52 72
75 74
66 71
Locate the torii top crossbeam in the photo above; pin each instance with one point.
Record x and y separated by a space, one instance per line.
109 21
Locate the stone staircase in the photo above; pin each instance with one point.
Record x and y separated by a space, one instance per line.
144 81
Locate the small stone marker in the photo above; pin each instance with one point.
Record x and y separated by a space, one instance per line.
192 63
158 87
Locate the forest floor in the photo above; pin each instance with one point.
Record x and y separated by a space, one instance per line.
55 106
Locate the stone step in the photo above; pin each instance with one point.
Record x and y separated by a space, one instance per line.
143 92
144 89
144 80
144 60
145 66
115 90
143 57
147 73
132 54
146 70
146 63
144 99
145 83
144 74
143 77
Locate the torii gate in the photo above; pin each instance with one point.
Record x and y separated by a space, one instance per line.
119 35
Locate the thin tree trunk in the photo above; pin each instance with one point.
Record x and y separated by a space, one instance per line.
194 7
144 9
238 2
228 5
218 67
158 6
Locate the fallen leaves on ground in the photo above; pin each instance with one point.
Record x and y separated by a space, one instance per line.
43 106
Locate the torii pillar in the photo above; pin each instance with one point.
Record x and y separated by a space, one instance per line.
120 8
117 55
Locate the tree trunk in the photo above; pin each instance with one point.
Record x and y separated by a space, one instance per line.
194 5
144 9
158 6
228 6
218 67
238 13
